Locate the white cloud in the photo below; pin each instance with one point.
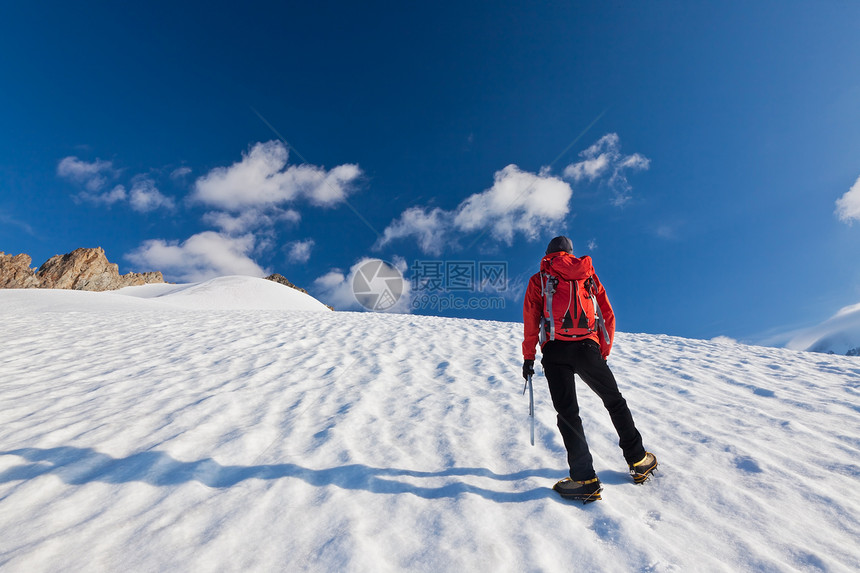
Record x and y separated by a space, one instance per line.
589 168
335 186
432 228
203 256
145 196
180 172
300 251
108 198
9 220
519 202
635 161
848 206
251 219
251 194
262 179
92 175
605 160
331 279
336 290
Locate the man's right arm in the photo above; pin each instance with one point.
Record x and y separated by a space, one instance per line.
608 318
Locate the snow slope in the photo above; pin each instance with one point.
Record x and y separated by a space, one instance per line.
228 293
838 334
142 436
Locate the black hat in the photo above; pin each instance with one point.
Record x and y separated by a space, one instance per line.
560 243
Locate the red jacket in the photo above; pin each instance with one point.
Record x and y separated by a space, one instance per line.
567 267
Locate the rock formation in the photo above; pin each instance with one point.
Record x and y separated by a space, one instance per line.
278 278
15 272
82 269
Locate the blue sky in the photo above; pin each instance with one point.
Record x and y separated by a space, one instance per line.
697 151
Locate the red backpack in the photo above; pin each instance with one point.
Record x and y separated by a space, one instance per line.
570 309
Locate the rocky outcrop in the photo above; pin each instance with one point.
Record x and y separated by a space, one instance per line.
15 272
281 279
82 269
89 269
278 278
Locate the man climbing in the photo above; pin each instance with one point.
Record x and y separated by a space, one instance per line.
566 309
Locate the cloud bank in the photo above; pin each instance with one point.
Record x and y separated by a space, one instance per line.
262 179
201 257
93 176
519 202
250 200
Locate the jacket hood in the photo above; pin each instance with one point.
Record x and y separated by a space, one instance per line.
566 266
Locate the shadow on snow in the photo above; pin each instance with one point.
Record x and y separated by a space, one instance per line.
77 466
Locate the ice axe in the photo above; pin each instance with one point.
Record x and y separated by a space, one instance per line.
528 385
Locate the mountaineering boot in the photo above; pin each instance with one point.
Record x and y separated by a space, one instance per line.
584 491
642 470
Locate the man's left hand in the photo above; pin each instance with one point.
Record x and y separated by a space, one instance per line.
528 368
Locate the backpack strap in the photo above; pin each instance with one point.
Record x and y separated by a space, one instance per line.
548 285
598 314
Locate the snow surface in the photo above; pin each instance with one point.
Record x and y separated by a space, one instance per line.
137 435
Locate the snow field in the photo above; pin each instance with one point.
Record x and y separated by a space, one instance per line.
141 435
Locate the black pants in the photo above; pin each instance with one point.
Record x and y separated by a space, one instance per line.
563 359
